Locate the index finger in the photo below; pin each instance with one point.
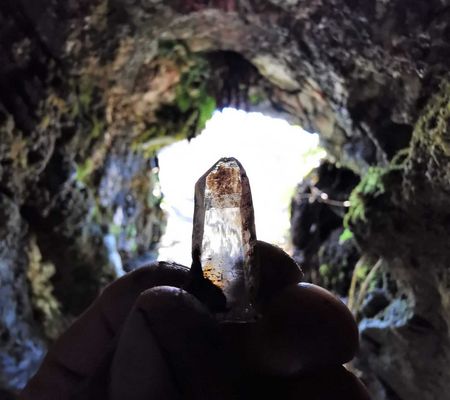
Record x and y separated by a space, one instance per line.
79 352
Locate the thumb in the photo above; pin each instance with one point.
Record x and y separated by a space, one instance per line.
276 269
170 348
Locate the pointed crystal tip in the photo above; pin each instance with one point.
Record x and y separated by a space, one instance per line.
223 185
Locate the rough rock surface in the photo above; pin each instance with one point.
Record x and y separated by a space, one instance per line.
411 338
317 211
89 90
20 343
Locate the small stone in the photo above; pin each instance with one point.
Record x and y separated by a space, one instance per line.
224 235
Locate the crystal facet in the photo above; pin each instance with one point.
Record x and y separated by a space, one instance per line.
224 235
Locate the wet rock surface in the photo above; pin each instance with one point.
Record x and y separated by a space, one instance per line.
90 89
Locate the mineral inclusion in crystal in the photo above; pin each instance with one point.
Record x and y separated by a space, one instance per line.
224 235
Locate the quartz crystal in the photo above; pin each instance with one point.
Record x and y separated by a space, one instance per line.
224 235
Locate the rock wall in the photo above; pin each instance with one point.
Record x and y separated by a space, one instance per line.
90 89
21 346
409 340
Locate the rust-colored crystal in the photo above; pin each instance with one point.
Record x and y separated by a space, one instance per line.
224 235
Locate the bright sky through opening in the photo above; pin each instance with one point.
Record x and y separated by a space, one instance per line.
275 155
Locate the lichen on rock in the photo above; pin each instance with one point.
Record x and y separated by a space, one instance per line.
39 274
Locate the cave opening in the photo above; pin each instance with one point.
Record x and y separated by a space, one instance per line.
275 154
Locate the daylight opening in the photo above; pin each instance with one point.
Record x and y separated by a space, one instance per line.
275 155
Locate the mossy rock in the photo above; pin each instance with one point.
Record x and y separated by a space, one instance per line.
432 129
371 186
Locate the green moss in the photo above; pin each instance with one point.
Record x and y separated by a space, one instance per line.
206 109
366 277
371 186
324 270
84 170
361 271
86 110
98 127
432 129
372 183
191 93
331 277
369 276
83 91
256 98
192 106
426 157
347 234
400 159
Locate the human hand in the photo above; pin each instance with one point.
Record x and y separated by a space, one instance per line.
145 338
